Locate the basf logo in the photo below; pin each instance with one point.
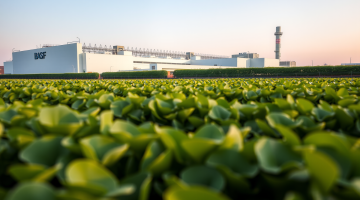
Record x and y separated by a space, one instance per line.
40 55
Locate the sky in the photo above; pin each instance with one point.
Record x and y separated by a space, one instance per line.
314 31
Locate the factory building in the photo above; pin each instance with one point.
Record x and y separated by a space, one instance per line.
78 58
349 64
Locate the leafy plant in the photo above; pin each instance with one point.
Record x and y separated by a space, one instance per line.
180 139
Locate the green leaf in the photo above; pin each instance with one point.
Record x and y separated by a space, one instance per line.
26 172
142 183
192 193
44 151
346 102
234 161
20 135
78 104
198 148
32 191
324 177
105 100
233 139
281 119
309 125
118 106
1 130
264 127
199 175
304 106
59 119
328 139
106 121
172 139
210 132
96 146
342 92
93 111
156 159
89 174
184 114
219 113
124 131
195 121
289 136
7 115
115 154
344 118
322 115
275 157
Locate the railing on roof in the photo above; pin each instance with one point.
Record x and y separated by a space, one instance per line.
142 52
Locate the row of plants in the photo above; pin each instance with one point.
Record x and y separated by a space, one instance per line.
180 139
270 71
135 74
51 76
227 72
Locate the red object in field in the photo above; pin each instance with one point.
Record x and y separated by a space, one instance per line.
170 74
1 69
277 41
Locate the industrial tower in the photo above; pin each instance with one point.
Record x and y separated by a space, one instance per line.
278 34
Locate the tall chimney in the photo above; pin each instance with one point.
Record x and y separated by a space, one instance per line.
278 34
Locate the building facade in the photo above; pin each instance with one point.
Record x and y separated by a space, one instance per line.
78 58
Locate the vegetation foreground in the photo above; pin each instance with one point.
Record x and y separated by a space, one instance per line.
180 139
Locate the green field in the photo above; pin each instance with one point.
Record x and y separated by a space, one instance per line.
190 139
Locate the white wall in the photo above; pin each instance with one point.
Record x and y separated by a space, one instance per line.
243 62
8 67
160 60
58 59
272 62
141 65
169 67
231 62
102 62
257 62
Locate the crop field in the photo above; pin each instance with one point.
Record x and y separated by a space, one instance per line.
218 139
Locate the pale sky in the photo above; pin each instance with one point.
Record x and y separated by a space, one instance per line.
325 31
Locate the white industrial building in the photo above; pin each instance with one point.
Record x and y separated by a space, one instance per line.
349 64
78 58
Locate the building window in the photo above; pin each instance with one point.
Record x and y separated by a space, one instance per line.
153 67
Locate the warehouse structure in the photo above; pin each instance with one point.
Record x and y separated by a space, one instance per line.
349 64
78 58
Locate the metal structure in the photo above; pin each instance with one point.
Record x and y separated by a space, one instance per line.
48 45
99 49
278 34
150 53
246 55
210 56
142 52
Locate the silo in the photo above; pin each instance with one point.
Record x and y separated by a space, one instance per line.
278 34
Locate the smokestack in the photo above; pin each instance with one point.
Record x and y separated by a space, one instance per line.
278 34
